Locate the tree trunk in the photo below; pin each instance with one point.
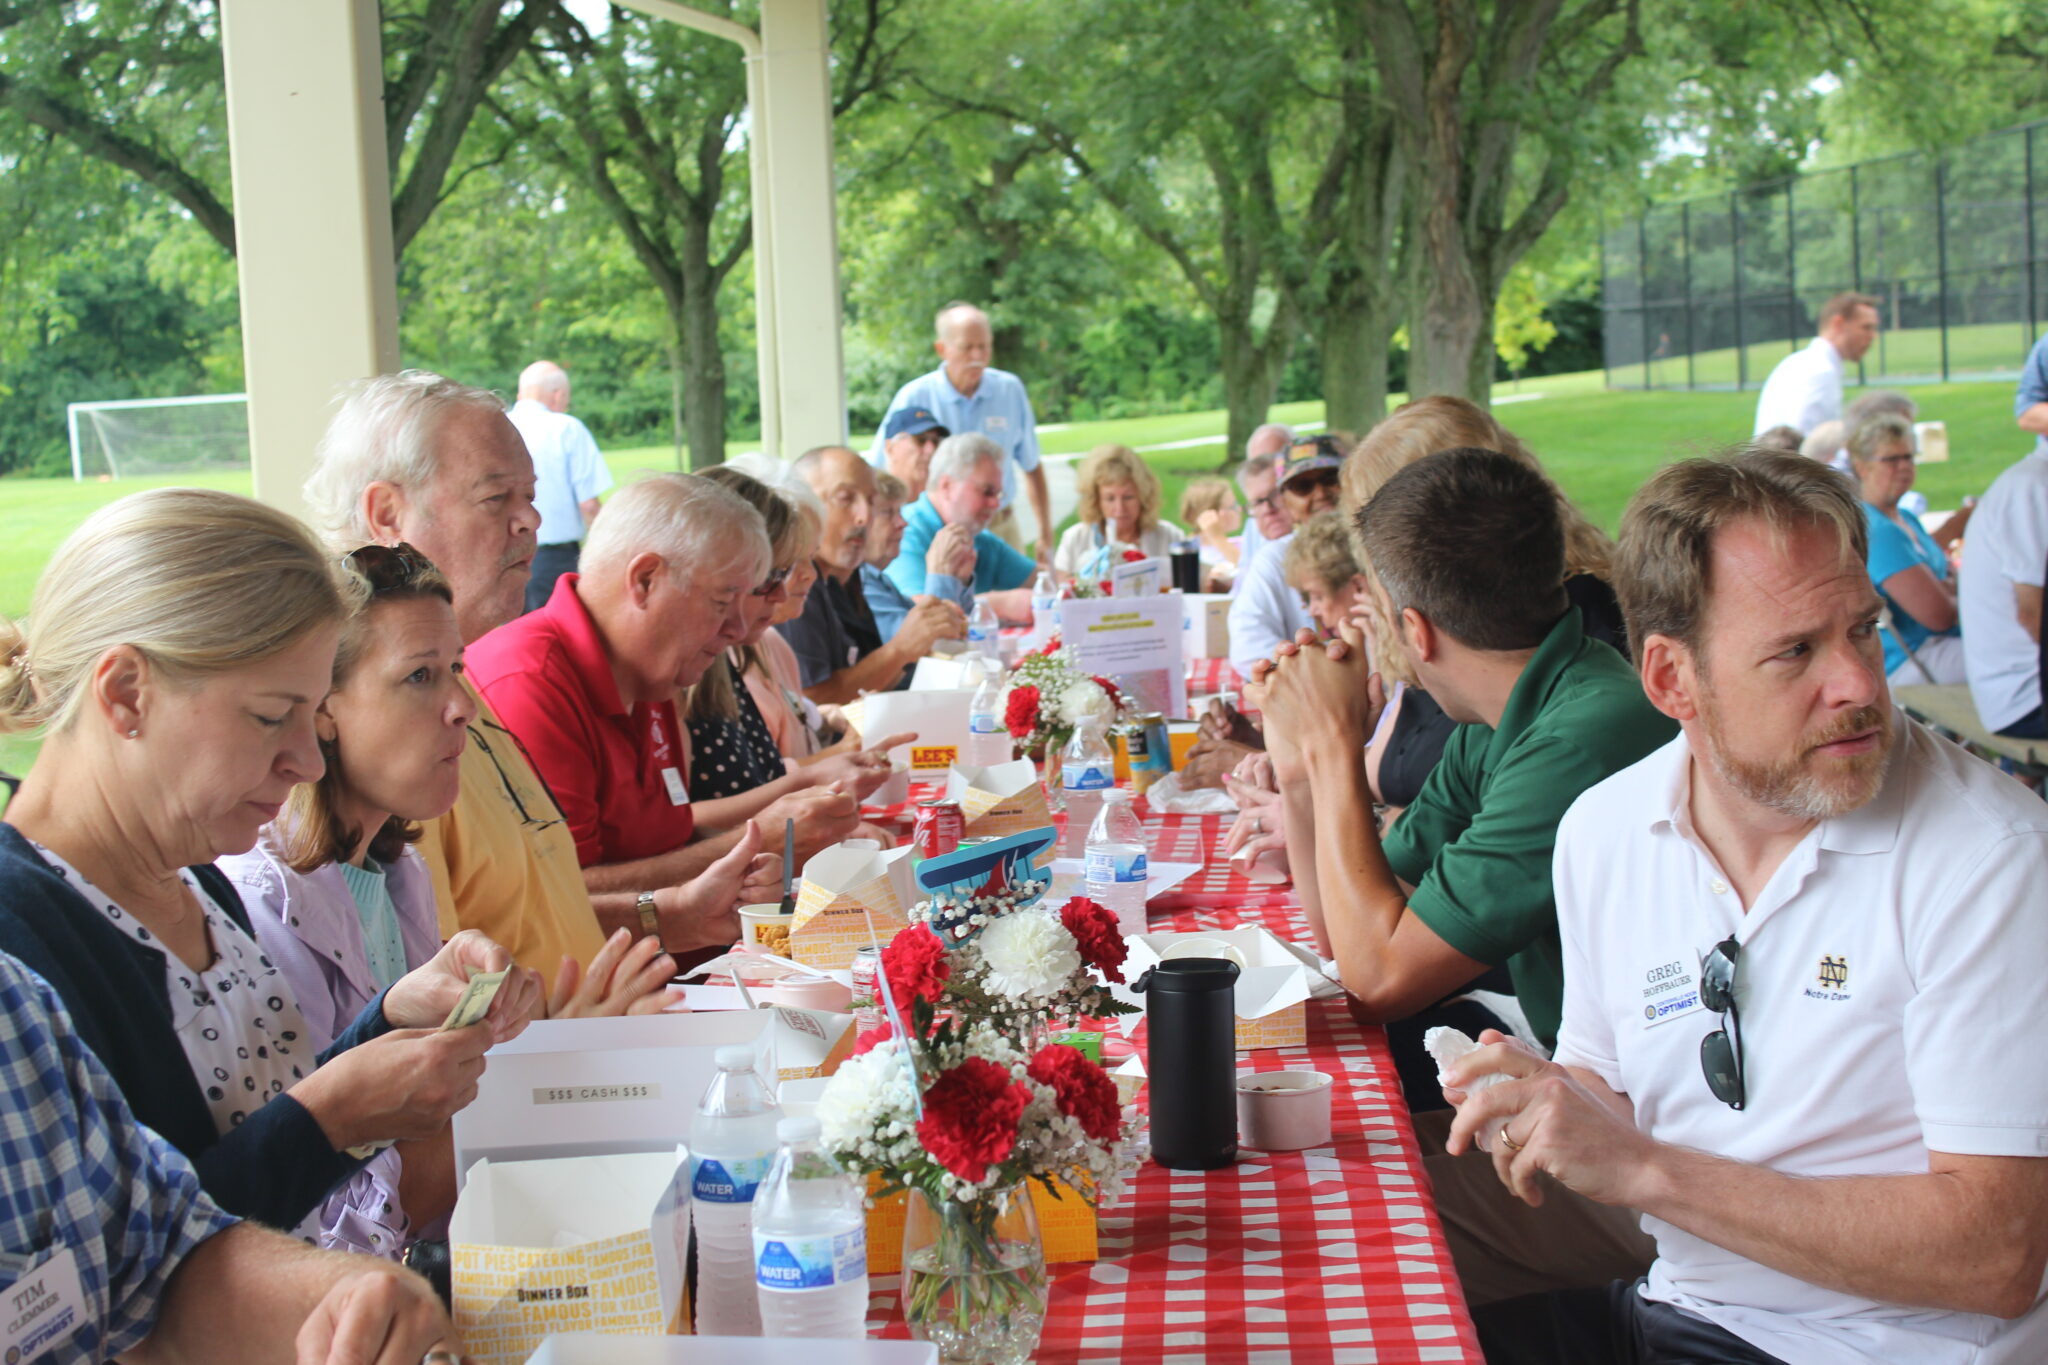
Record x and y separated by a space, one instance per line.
675 389
1251 377
696 323
1357 326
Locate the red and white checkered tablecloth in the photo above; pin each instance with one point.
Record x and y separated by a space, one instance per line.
1329 1256
1206 676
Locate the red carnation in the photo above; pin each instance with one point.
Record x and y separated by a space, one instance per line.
1133 556
1110 690
1095 934
916 963
874 1038
1084 1091
1020 713
1107 590
970 1117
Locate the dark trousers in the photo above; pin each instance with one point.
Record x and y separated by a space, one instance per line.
549 563
2032 725
1611 1326
1413 1064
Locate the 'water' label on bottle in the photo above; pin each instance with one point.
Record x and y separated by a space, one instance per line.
979 636
1084 777
1104 865
731 1181
983 723
810 1262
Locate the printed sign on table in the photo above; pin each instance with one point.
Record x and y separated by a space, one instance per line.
1136 642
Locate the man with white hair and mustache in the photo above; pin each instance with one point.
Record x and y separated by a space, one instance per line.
839 648
1800 945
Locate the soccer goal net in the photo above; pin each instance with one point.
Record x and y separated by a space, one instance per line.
132 437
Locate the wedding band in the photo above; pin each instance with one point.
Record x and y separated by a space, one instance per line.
440 1357
1505 1141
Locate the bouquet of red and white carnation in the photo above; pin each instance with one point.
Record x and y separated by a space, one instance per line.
1049 697
961 1106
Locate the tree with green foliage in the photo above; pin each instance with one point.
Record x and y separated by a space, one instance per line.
138 84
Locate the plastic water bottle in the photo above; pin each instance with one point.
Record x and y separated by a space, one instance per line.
1086 772
988 741
810 1242
984 632
1045 608
1115 861
732 1146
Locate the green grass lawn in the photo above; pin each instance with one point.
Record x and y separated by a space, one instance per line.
1599 443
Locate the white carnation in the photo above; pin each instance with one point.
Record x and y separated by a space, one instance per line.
1085 700
1028 955
866 1092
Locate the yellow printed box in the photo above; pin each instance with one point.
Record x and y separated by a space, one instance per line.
1066 1225
848 899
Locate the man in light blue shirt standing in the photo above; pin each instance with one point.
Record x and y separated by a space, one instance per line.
968 394
568 474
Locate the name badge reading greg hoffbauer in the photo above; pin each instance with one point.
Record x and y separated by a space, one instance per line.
1671 990
590 1094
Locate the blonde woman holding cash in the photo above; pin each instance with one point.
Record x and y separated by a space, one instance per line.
177 648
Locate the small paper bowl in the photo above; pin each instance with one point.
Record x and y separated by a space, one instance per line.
1283 1111
1200 946
765 926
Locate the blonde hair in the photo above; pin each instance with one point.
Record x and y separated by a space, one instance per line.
1114 464
1442 422
1664 562
1322 549
1205 495
889 488
197 582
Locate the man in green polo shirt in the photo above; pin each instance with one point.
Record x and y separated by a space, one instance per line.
1468 549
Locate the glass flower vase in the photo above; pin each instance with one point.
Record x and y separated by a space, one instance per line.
974 1276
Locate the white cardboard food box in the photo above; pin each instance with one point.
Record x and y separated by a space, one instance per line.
1272 988
1205 625
594 1087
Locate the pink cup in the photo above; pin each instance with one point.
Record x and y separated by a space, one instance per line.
1283 1111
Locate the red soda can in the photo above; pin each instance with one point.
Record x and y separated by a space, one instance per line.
939 828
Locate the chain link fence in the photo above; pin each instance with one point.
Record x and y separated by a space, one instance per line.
1711 293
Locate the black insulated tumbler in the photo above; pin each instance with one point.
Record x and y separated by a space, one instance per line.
1191 1061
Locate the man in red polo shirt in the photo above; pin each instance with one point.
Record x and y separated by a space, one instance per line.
588 684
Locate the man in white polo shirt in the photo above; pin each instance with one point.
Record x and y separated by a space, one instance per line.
1803 944
1805 388
568 475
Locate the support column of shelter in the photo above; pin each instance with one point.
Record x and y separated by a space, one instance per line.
305 87
801 227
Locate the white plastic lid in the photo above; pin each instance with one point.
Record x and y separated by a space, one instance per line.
802 1129
735 1057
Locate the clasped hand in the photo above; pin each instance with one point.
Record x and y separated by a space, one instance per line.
1316 695
1544 1119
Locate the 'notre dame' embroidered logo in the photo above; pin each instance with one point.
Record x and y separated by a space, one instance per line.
1834 972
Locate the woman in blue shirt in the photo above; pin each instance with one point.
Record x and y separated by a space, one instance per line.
1924 642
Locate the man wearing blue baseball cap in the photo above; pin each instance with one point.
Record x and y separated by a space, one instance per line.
908 439
1266 610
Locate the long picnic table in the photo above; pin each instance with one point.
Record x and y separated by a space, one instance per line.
1328 1256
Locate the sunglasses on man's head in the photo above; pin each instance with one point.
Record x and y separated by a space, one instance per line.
388 567
1721 1050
